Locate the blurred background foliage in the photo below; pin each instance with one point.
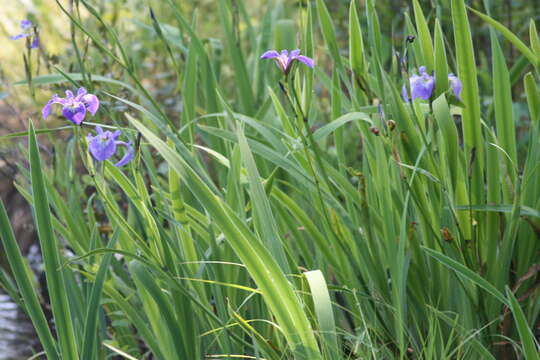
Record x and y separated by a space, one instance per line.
131 18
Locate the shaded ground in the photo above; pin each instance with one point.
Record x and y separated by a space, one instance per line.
17 336
17 208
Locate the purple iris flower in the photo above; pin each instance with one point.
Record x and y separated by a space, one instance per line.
421 85
104 145
26 26
455 84
74 107
285 60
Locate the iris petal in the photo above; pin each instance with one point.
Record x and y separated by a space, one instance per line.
91 102
270 54
101 146
128 156
104 145
18 36
35 43
421 86
294 53
26 24
46 111
81 92
74 112
306 60
455 84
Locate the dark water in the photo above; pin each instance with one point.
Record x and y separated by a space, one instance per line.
17 336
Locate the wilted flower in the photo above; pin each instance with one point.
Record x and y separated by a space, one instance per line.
421 85
74 107
455 84
285 60
410 38
104 145
26 26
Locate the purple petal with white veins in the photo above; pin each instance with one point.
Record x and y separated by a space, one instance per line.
270 54
74 112
306 60
128 156
18 36
69 94
91 102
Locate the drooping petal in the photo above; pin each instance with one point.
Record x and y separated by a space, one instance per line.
91 102
18 36
306 60
404 94
35 43
46 111
128 156
74 112
26 24
455 84
270 54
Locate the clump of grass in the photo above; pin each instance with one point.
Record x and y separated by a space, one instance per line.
351 209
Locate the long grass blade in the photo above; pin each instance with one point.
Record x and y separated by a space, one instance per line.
51 256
